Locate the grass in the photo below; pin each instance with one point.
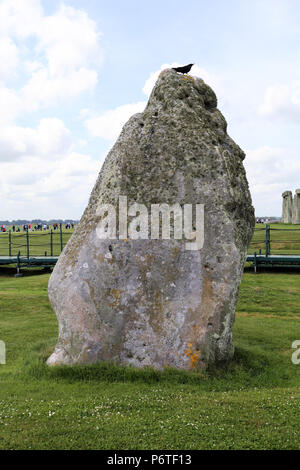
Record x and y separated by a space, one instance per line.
285 239
253 403
39 242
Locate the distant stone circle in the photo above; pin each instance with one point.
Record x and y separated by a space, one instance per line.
291 207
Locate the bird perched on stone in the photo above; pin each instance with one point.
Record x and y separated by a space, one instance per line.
184 69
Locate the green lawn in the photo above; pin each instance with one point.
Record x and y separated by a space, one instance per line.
252 404
285 239
40 242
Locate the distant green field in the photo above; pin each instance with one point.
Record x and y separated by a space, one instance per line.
285 239
39 242
251 404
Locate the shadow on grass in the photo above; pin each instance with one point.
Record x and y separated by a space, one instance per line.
247 369
10 271
270 269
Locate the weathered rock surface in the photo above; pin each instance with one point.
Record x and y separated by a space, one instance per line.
153 302
296 208
291 207
287 207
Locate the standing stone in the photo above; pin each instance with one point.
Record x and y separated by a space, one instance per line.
287 207
154 302
296 207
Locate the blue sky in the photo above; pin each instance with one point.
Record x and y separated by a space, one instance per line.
71 74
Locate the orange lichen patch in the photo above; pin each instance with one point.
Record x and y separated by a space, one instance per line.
194 358
192 355
188 77
176 251
157 296
188 352
100 257
116 293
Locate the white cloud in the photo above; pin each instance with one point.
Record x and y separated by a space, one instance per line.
270 172
45 91
52 58
56 184
109 124
84 113
10 105
48 175
70 40
35 188
31 66
41 170
20 17
61 57
9 57
282 100
51 137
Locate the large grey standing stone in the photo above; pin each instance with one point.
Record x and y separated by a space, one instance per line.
287 207
296 208
153 302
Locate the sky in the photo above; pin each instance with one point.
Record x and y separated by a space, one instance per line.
73 72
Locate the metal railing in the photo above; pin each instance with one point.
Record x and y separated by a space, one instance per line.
283 241
28 244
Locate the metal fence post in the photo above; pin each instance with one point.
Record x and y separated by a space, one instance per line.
27 243
9 243
51 242
268 240
61 239
18 265
255 262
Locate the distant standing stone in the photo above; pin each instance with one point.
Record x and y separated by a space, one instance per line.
287 207
291 207
153 302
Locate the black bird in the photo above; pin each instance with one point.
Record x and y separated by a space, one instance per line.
184 69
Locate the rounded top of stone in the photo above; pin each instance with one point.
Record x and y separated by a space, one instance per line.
173 86
297 191
287 193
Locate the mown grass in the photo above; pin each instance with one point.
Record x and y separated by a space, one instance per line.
40 243
253 403
285 239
